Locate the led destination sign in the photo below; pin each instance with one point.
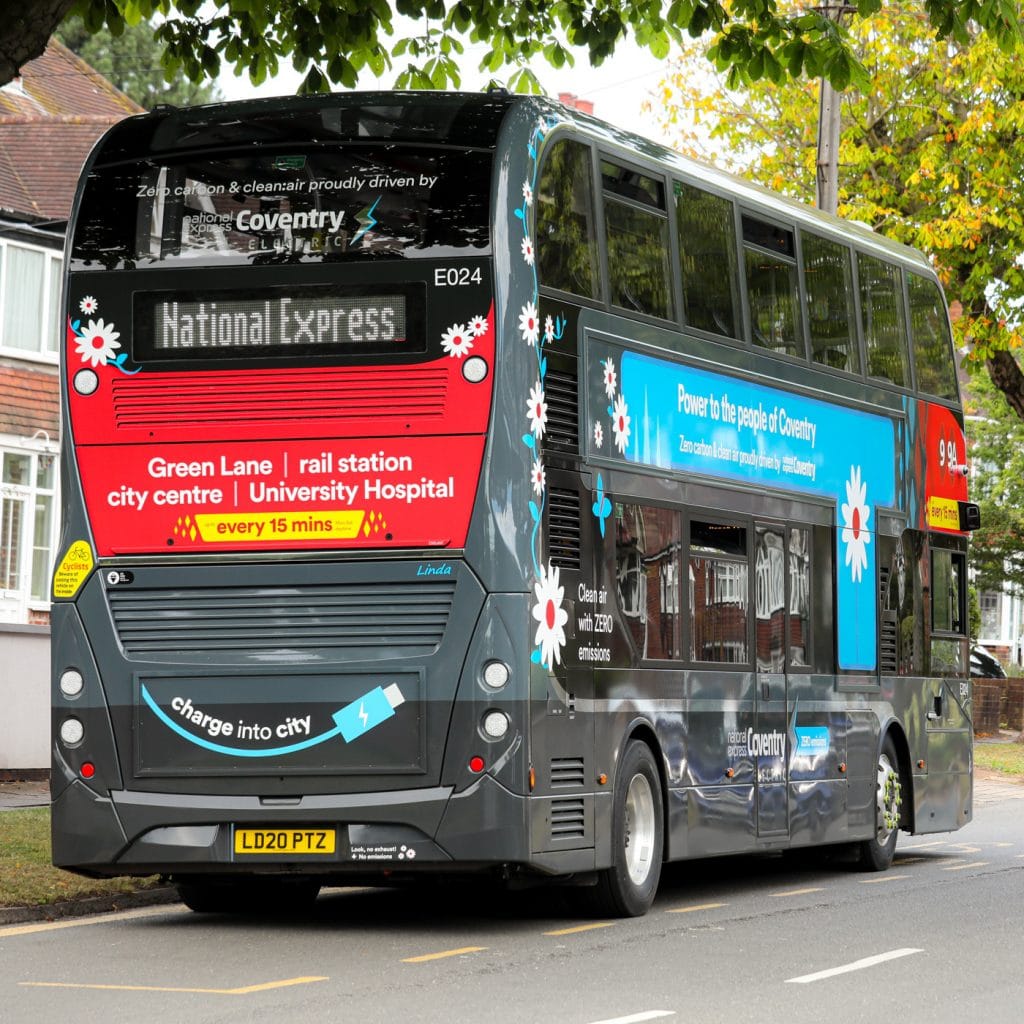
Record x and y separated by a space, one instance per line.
284 321
276 322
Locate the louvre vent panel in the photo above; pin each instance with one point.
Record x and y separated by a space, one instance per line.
568 818
566 772
563 425
564 528
888 656
325 395
324 617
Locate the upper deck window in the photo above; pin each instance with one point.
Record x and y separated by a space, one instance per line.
828 278
567 253
773 289
638 247
354 202
883 320
707 249
933 347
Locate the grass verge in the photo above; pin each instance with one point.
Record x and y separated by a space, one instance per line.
1007 758
28 879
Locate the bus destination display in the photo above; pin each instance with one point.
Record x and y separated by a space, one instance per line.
279 322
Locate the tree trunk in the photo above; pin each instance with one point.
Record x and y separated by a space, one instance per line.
1007 376
24 32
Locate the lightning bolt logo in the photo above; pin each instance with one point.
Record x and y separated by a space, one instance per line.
363 716
366 220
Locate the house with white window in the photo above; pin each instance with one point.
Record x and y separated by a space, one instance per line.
50 117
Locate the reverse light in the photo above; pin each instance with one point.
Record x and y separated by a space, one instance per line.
71 731
71 683
86 382
495 724
496 674
475 369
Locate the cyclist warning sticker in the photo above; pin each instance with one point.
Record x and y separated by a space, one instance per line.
73 570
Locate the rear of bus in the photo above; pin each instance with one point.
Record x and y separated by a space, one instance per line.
288 622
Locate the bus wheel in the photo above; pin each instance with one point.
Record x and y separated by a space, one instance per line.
252 896
628 887
876 853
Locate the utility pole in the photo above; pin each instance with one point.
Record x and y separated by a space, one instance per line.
827 183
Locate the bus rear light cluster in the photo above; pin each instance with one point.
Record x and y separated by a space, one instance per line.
88 770
496 674
72 732
495 724
86 382
71 683
475 369
476 764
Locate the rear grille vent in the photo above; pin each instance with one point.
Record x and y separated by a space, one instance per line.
888 655
564 528
568 818
324 395
567 771
358 618
563 425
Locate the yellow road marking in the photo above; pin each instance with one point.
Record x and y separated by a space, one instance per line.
246 990
798 892
582 928
696 907
80 922
883 878
440 956
964 867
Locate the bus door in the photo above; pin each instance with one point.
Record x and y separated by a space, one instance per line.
769 740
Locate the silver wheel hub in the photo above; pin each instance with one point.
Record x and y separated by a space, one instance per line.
889 798
640 829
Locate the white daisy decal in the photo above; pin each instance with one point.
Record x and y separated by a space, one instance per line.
88 305
97 342
610 379
457 341
538 477
550 615
537 409
527 247
620 424
478 326
598 434
527 193
529 324
549 330
855 522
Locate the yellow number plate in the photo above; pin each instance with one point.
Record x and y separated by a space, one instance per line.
271 841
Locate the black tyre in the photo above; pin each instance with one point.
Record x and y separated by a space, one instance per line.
877 852
250 896
628 887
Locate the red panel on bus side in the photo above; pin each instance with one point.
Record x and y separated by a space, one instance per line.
946 462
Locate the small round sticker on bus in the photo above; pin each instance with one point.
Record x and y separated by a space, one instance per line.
73 570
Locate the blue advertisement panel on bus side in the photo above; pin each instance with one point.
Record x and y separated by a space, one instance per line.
685 419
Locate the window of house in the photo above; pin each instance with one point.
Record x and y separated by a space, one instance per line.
28 487
990 603
30 320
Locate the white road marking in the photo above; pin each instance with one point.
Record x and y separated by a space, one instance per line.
857 965
636 1018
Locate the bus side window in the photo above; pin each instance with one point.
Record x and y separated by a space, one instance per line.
639 266
908 584
780 624
719 593
773 287
647 578
948 613
707 250
828 278
883 320
567 253
934 358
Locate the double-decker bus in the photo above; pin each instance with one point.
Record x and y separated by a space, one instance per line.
455 483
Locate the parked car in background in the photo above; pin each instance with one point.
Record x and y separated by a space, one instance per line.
984 666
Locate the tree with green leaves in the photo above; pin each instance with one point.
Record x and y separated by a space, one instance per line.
931 154
333 40
131 62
